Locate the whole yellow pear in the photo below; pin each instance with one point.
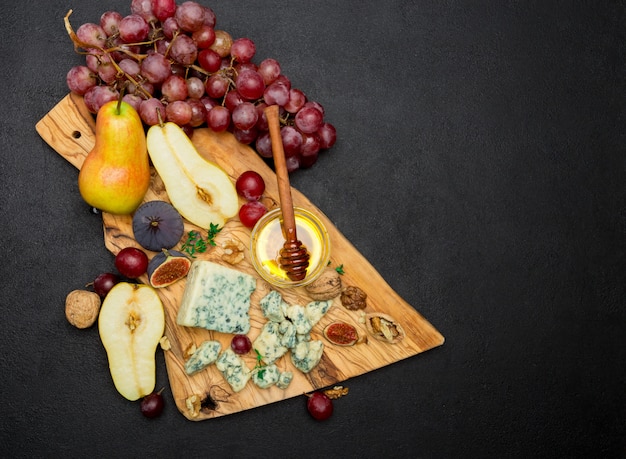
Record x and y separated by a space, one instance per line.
116 173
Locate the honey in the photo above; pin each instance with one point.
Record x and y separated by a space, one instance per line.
267 240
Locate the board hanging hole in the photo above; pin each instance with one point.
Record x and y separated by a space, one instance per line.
76 134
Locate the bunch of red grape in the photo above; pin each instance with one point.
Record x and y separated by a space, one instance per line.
171 64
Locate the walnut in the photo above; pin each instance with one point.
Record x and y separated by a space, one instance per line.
384 327
82 308
233 251
326 287
353 298
165 343
189 350
193 404
336 392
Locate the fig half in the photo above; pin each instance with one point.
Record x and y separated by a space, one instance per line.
341 334
157 225
167 267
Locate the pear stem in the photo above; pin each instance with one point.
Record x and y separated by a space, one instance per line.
118 109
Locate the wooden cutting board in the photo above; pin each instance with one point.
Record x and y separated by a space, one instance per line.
69 129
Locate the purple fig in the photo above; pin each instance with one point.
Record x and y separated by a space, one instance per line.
157 225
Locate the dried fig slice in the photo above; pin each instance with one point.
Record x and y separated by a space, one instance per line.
341 334
167 267
383 327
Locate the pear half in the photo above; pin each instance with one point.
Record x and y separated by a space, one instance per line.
131 323
200 190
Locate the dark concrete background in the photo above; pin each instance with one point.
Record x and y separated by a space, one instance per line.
479 167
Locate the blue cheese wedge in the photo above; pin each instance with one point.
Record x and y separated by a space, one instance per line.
206 354
233 369
284 379
307 354
266 376
216 298
269 344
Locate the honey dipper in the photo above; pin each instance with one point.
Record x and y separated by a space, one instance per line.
294 257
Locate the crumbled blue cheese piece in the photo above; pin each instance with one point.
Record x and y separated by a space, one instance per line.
216 298
233 369
297 315
284 380
205 355
266 376
268 343
301 338
307 354
287 332
273 307
316 310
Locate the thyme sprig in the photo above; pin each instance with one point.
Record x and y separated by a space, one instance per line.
195 243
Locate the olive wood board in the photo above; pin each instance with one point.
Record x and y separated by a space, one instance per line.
69 129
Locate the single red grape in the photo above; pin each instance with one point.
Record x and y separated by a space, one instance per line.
163 9
110 22
232 99
104 282
218 118
250 213
250 84
250 185
152 405
131 262
244 115
308 120
319 406
243 50
204 36
269 70
209 60
241 344
133 29
327 134
245 136
179 112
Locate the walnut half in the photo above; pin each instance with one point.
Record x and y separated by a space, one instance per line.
384 327
193 405
233 251
353 298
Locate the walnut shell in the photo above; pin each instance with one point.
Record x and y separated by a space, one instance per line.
384 327
326 287
82 308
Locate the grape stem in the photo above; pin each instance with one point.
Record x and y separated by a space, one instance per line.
78 44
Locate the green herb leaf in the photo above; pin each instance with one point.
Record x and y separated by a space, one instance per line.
213 230
259 360
194 244
340 270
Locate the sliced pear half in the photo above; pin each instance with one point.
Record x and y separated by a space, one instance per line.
200 190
